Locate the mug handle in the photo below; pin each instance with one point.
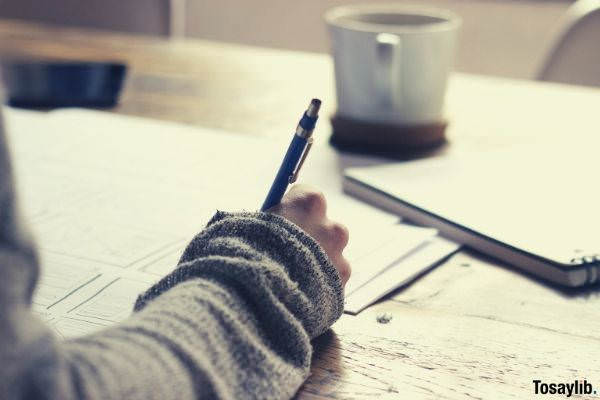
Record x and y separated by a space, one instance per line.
387 70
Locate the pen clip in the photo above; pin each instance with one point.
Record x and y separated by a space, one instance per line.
304 154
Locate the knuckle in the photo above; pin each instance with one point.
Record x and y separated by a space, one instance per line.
345 270
314 202
339 235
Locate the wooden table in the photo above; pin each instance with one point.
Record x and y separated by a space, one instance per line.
473 328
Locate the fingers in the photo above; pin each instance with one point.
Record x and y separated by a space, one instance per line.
333 238
307 208
308 200
339 235
313 203
343 267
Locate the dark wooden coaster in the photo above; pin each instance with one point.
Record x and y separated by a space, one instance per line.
396 141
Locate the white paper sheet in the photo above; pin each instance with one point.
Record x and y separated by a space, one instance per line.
399 273
375 250
114 200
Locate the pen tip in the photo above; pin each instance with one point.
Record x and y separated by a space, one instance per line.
313 108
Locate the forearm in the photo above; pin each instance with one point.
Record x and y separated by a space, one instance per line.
18 259
234 320
196 341
266 288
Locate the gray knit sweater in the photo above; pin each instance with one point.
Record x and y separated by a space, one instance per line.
234 320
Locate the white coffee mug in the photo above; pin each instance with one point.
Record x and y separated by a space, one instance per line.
392 62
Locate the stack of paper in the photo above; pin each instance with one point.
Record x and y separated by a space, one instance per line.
381 279
114 200
384 253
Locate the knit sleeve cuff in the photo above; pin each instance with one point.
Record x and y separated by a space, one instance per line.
264 256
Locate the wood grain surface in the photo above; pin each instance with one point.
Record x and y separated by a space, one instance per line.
190 81
473 328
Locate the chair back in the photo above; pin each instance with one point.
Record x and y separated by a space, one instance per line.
574 57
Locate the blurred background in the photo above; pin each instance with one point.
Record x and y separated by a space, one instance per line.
500 37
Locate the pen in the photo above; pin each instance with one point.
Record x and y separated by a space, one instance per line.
295 155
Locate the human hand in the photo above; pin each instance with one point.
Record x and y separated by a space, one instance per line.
306 207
